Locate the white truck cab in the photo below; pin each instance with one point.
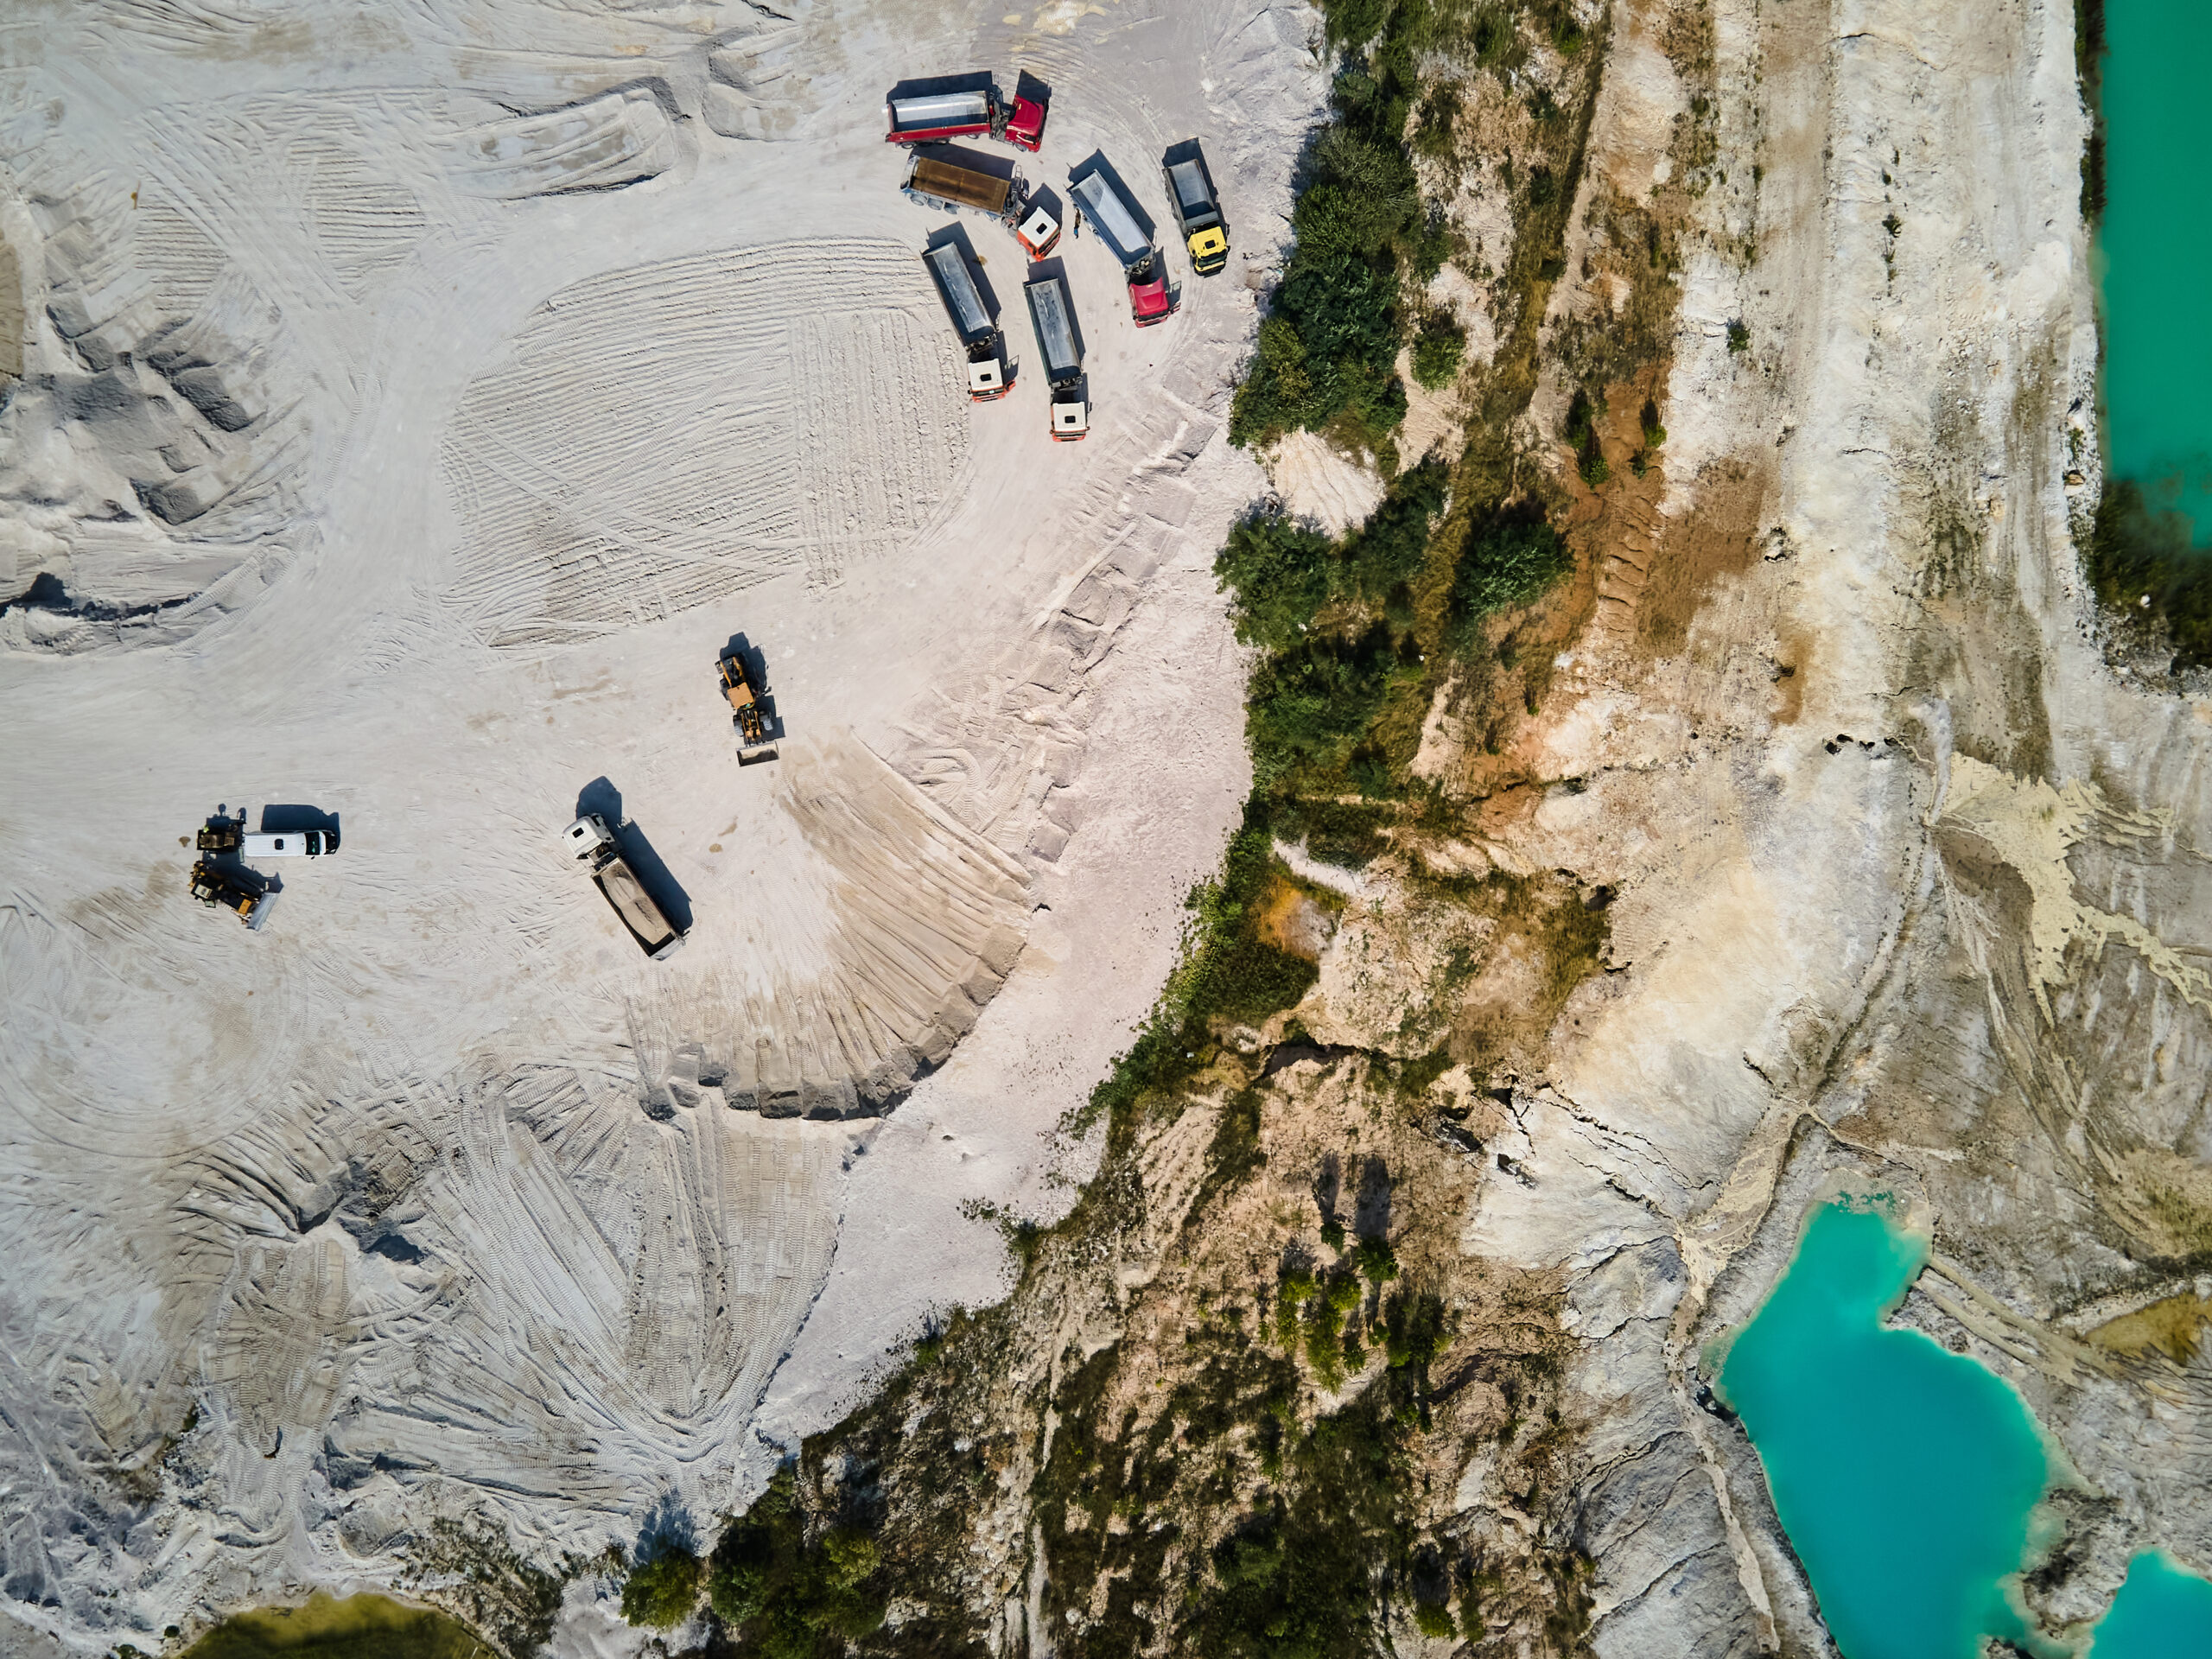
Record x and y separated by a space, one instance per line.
587 838
291 844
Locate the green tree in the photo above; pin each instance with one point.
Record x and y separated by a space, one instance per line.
662 1592
787 1596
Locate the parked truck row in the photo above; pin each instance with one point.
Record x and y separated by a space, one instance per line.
951 180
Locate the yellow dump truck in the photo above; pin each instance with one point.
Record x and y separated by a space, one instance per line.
1197 207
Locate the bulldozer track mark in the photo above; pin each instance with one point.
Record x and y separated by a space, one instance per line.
596 468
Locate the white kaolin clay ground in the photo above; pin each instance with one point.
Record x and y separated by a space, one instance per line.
414 402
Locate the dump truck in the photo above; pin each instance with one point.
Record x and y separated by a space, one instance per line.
1114 218
1022 122
593 844
927 117
945 182
214 885
748 706
1197 207
973 112
971 321
292 843
1037 232
1052 317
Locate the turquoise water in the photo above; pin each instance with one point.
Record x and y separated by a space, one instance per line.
1906 1476
2156 244
2161 1612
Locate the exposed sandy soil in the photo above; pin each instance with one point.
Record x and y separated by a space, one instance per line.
413 405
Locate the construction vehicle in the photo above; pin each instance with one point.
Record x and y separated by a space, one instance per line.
1197 207
945 182
594 844
222 835
1052 317
748 706
1037 233
974 113
929 117
964 303
214 885
1114 218
292 843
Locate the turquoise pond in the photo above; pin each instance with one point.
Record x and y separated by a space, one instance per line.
1906 1476
2155 244
2161 1612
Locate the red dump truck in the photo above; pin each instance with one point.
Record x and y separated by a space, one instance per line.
977 112
1113 216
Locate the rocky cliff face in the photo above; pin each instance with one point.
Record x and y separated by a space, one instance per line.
1888 865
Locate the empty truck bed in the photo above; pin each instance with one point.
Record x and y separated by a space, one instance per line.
1110 216
957 283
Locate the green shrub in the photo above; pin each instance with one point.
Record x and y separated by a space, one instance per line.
1330 349
2139 551
1328 346
1438 350
1653 434
1278 573
1389 549
1309 706
1433 1618
1377 1262
1740 338
661 1593
1506 562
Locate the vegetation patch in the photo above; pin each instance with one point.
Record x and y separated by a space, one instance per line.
789 1595
2146 569
358 1627
1328 350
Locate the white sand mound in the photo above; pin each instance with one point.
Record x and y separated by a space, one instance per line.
1316 482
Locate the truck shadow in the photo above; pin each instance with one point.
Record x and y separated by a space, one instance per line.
1028 85
1097 163
287 819
231 861
600 796
978 80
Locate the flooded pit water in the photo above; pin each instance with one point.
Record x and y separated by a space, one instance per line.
2161 1612
1906 1476
2154 245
